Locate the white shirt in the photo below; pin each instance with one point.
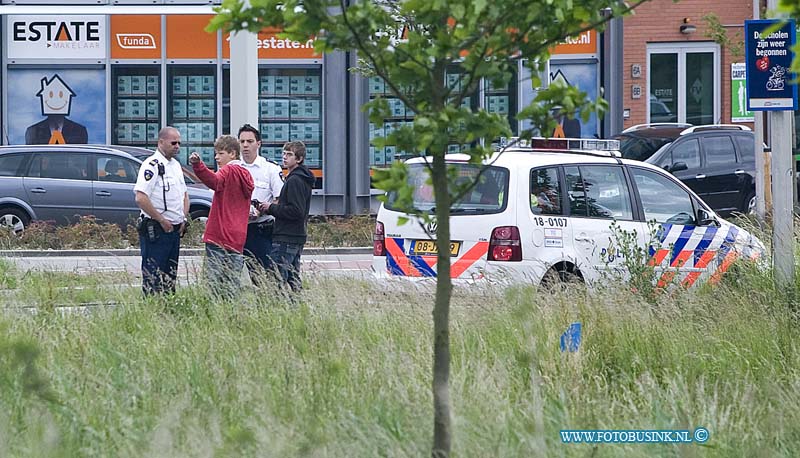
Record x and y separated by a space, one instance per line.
268 181
170 185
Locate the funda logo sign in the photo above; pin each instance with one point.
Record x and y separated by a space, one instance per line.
136 41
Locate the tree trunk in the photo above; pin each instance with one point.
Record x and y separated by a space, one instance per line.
442 429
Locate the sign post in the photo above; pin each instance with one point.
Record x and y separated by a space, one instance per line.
770 87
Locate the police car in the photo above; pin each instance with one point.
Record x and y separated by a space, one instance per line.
561 209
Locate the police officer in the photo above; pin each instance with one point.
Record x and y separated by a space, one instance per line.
161 195
268 180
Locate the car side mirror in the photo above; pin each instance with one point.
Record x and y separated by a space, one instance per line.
704 218
678 166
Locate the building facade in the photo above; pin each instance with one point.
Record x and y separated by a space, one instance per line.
116 71
676 69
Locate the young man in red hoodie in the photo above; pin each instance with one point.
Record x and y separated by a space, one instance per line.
226 229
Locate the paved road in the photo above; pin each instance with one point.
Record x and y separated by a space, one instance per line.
339 264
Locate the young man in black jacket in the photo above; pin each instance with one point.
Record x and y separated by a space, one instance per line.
291 214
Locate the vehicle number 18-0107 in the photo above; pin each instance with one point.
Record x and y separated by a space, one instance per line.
550 221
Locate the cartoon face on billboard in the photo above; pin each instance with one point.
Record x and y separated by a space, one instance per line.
63 107
56 96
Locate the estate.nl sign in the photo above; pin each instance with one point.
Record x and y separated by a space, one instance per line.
769 56
56 37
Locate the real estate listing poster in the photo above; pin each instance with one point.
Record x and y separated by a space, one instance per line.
56 106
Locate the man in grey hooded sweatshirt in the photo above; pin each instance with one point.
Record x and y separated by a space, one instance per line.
291 214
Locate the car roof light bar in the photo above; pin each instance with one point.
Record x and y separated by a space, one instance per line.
567 145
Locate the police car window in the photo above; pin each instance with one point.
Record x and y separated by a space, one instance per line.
488 195
115 169
9 164
663 200
687 152
719 150
545 192
606 192
575 191
68 166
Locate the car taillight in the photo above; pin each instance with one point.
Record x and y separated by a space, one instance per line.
505 244
378 241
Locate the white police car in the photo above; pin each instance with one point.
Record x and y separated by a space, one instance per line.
558 209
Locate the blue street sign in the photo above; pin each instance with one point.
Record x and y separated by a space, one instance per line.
571 339
768 55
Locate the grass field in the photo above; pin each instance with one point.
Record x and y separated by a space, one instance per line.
346 371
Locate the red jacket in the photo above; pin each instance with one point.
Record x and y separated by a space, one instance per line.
230 207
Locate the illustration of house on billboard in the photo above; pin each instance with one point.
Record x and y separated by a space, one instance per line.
56 102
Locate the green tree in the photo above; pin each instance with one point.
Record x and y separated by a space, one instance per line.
411 44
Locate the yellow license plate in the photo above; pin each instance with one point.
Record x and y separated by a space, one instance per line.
421 247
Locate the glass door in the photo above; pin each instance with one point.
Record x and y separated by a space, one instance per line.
663 87
699 88
683 83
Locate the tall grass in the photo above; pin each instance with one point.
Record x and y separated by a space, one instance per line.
345 370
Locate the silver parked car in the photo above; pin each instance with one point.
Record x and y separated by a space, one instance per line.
61 183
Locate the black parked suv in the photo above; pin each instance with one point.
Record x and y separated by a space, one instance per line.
715 161
641 141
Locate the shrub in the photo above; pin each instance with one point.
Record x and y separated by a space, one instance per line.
87 233
323 231
337 231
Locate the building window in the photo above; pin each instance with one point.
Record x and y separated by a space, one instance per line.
191 108
136 105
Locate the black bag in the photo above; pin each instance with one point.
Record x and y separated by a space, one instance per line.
146 227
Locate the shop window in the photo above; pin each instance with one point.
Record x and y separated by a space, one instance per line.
136 105
289 109
502 100
400 115
191 108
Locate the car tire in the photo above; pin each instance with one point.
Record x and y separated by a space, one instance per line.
200 215
14 218
561 276
749 204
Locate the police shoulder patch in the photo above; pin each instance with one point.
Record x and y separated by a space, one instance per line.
148 174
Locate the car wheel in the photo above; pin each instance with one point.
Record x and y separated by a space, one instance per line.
14 218
199 215
750 204
561 275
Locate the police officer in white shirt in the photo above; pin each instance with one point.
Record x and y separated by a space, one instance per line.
161 195
268 180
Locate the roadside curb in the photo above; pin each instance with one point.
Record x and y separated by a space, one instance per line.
312 251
